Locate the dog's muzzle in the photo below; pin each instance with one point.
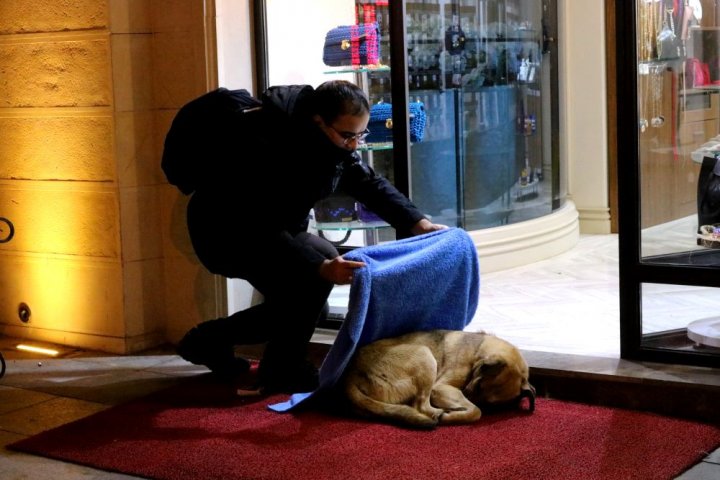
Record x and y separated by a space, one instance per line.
517 403
528 393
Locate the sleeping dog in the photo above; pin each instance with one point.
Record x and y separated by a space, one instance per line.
423 379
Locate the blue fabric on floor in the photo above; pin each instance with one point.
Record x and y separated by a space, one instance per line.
421 283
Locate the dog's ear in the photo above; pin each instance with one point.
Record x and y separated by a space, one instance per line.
485 367
492 366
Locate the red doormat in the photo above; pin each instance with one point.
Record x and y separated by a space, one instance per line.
202 430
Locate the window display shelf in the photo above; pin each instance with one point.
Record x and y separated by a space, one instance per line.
524 190
375 147
370 231
529 38
359 69
353 225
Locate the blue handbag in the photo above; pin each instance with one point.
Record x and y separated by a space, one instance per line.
381 123
338 207
352 45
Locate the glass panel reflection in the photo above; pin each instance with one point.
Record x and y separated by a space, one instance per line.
482 70
679 126
681 317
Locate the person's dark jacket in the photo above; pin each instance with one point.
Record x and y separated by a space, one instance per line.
285 165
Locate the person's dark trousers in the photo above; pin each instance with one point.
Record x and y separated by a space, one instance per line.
294 300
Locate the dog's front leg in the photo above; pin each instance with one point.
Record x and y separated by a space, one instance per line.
457 408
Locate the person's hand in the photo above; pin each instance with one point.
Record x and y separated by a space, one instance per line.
426 226
338 270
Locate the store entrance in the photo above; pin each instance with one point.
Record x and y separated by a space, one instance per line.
481 74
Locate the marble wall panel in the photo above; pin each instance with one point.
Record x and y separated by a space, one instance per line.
132 66
140 223
144 307
130 16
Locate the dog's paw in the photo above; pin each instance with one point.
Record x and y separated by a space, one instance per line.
461 416
428 423
427 418
436 414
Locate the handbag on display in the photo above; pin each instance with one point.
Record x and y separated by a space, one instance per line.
455 40
338 207
697 73
668 44
352 45
381 122
364 214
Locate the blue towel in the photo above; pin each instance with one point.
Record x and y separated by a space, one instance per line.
427 282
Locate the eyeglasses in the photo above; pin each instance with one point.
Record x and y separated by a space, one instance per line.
349 136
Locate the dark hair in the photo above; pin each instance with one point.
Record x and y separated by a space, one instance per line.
339 97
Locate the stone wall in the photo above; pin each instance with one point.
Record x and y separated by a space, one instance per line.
88 89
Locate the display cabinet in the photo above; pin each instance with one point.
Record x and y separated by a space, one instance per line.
669 206
485 70
485 74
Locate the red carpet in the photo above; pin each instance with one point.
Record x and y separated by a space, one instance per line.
203 431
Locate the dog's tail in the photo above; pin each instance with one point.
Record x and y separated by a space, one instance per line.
391 412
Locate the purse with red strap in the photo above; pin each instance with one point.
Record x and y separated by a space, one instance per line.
352 45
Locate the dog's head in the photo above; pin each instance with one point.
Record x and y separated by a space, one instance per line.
499 376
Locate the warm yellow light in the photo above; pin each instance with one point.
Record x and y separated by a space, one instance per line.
30 348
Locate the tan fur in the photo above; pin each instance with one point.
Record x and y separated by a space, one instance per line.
423 379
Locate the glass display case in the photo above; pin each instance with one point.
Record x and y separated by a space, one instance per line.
483 70
480 74
669 179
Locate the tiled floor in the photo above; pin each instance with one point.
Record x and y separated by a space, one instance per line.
561 312
38 393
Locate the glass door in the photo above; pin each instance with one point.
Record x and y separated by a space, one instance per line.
669 187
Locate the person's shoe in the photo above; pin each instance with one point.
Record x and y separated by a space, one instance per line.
189 347
196 347
228 368
291 377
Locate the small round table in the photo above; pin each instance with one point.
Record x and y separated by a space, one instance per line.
705 332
